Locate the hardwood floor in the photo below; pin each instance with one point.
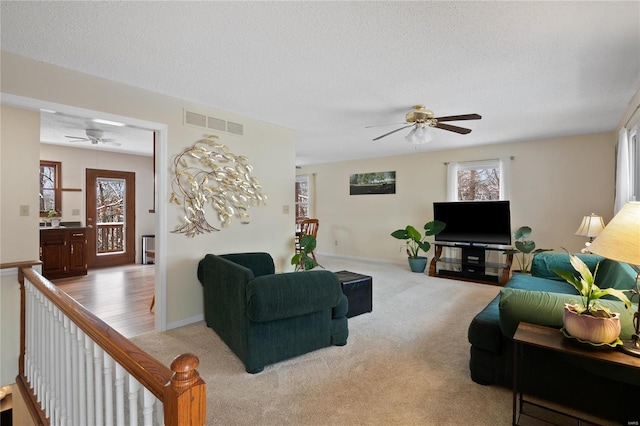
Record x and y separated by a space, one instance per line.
120 296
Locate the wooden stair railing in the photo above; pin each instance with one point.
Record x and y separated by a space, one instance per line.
56 332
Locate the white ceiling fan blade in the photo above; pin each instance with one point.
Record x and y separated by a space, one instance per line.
382 125
110 142
77 137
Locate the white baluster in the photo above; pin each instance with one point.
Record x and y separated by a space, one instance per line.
147 410
108 390
75 405
44 351
28 357
119 395
82 381
98 368
159 413
88 363
67 396
37 349
55 362
58 338
48 361
134 388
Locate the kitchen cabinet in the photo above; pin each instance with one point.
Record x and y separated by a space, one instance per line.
63 252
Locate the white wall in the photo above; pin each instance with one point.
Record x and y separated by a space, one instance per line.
553 184
75 161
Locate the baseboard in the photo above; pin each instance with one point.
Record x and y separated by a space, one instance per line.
362 259
186 321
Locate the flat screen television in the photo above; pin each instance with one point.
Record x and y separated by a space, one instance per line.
474 222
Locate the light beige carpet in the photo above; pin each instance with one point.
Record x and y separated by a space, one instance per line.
405 363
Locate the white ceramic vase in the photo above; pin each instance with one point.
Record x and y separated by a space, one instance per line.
589 328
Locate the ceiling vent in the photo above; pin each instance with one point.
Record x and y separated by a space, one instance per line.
201 120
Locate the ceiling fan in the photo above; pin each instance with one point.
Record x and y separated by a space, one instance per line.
422 119
95 137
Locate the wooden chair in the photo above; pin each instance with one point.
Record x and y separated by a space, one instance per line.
307 227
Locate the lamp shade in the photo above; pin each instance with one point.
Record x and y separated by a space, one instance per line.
620 239
591 226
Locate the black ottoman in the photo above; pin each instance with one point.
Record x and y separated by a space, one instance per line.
358 288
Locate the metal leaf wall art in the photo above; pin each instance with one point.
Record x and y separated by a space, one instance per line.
208 172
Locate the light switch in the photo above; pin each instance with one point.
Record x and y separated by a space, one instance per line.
285 209
75 212
24 210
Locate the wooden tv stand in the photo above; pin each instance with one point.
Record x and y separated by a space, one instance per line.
469 263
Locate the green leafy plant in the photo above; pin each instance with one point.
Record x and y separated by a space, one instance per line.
589 291
414 239
525 248
52 213
303 260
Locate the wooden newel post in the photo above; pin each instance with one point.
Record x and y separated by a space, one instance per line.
186 401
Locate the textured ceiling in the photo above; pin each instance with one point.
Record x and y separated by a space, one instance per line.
330 69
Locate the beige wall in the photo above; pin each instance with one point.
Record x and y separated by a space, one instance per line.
20 156
553 183
74 163
269 148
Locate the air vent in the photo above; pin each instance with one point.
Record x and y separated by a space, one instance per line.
235 128
195 119
201 120
215 124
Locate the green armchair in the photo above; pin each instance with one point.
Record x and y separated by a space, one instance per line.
265 317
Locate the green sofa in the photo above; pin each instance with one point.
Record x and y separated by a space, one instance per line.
265 317
539 299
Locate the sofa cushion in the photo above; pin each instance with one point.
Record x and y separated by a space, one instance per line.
529 282
616 275
544 263
259 263
273 297
545 308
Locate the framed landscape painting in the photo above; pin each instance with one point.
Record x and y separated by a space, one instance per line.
372 183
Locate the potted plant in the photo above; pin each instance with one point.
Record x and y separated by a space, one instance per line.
589 320
524 250
55 221
303 260
416 242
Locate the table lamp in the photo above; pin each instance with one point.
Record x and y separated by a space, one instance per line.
620 240
591 226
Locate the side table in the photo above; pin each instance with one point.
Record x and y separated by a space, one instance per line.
552 339
358 288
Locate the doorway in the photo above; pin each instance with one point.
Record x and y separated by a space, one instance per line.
110 217
160 173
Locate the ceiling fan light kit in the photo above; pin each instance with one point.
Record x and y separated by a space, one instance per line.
420 134
422 119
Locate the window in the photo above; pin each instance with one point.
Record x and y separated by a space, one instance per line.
302 196
627 167
478 180
634 164
50 187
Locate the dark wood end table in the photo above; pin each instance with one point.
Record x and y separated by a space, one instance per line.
553 339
